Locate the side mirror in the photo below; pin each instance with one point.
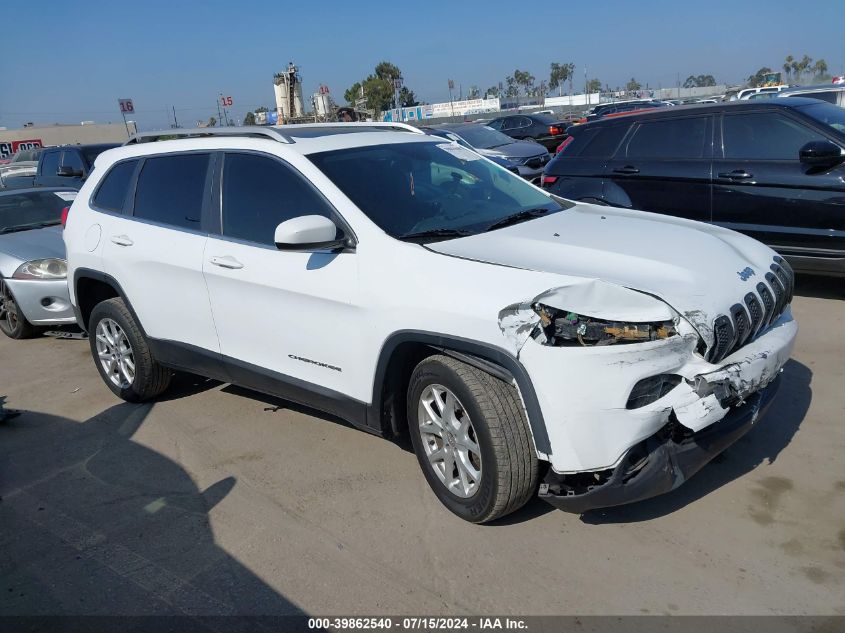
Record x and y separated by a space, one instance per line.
68 172
820 154
308 233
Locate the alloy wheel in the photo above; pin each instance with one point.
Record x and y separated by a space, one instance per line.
449 440
115 353
8 307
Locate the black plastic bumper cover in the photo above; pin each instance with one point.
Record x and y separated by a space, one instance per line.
669 463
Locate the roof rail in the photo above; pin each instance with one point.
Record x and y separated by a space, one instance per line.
405 127
267 132
274 133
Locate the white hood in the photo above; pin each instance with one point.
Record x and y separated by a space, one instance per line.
698 269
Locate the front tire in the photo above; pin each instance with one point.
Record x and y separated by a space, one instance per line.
471 439
12 321
122 355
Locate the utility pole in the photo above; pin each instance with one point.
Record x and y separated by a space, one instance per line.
175 122
586 90
219 116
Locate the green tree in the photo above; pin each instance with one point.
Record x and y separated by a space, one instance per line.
801 67
787 66
211 122
820 70
492 92
261 109
249 118
699 81
524 79
594 85
378 89
511 89
559 74
633 85
474 92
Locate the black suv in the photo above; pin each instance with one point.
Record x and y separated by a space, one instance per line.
546 130
774 170
66 166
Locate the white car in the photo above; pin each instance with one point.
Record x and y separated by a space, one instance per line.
408 285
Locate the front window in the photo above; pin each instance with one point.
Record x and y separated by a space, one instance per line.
831 115
32 210
411 188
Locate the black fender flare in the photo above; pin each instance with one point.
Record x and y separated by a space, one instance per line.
89 273
486 357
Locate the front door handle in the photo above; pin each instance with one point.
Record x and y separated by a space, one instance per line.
121 240
736 174
227 262
627 169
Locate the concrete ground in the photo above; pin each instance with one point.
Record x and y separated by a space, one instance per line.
216 500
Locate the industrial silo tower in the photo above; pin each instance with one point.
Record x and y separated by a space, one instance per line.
287 86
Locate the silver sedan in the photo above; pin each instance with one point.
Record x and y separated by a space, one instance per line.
33 270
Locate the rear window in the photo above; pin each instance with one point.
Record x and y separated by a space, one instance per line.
544 118
170 190
594 142
668 139
111 194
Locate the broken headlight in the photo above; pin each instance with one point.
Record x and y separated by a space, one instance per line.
562 328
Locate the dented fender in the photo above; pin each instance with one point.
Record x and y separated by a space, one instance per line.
594 297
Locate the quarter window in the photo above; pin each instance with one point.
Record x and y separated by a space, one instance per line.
669 139
170 190
71 158
765 136
111 194
50 163
259 193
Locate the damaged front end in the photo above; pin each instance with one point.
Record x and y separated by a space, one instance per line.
632 406
657 464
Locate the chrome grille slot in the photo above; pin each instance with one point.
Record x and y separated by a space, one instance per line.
768 302
755 309
780 295
723 332
742 325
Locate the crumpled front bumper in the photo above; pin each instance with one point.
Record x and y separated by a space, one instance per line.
659 463
42 302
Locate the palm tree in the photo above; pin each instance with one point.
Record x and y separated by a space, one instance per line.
787 66
820 69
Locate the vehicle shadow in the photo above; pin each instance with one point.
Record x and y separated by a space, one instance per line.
94 523
761 445
819 287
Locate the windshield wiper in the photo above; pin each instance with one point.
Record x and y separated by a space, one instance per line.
516 218
27 227
421 235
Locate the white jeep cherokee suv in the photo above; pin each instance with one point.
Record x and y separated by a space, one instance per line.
406 284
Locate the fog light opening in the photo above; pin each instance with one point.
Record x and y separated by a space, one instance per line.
651 389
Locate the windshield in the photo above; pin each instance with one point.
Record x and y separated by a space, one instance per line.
417 187
833 115
483 137
33 209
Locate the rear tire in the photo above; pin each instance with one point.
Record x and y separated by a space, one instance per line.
122 355
476 410
12 322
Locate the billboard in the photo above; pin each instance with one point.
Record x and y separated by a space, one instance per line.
10 147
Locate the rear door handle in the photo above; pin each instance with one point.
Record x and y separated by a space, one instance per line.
627 169
121 240
227 261
736 174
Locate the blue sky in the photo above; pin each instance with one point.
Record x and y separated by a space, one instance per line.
70 61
